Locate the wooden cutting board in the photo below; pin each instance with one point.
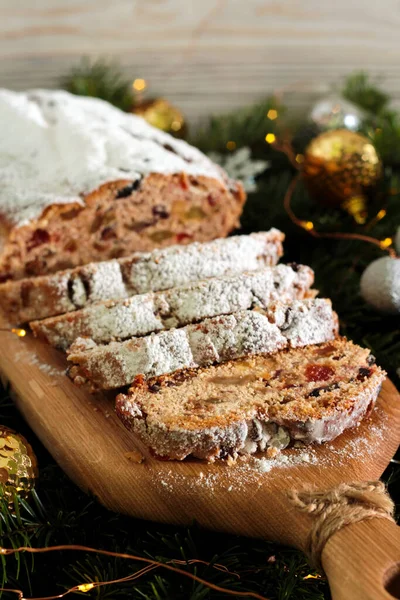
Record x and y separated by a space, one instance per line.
248 498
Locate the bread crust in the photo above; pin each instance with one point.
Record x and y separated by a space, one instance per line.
211 341
65 291
139 315
253 404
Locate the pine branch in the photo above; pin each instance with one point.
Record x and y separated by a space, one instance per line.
245 127
100 79
360 90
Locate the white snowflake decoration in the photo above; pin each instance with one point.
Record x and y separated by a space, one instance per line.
240 165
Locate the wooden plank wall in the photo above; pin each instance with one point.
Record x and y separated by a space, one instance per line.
205 55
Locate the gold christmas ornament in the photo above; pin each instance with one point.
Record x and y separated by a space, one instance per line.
342 168
18 464
163 115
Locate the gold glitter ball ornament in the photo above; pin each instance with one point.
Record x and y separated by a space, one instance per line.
342 168
18 464
163 115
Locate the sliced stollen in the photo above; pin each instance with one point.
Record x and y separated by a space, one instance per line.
254 404
161 269
213 340
146 313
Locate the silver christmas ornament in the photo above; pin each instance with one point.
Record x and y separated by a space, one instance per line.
336 113
380 284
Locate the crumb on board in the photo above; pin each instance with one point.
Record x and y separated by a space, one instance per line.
134 456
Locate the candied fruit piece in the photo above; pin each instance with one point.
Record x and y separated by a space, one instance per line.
316 372
180 237
160 236
211 200
195 213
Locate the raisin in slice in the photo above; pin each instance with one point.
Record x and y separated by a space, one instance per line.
39 237
108 233
319 372
363 373
294 266
328 388
160 211
154 388
128 189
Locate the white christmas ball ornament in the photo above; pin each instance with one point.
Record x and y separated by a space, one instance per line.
380 284
397 240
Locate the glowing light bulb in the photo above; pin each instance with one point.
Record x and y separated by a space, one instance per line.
139 85
308 225
386 242
19 332
272 114
270 138
85 587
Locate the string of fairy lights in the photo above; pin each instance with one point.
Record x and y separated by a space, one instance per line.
150 566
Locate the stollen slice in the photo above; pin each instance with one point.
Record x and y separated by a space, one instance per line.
156 311
161 269
258 403
211 341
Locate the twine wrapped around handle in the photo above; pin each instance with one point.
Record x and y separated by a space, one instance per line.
335 508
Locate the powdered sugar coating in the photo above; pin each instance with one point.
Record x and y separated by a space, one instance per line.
146 313
212 341
140 273
56 147
304 322
174 266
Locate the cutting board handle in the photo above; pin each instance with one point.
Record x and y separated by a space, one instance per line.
362 561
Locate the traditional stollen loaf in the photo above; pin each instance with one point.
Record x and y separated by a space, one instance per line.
82 181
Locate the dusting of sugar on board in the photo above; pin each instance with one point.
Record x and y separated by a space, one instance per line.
32 359
252 471
56 147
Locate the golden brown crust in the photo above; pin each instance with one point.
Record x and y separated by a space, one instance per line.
119 218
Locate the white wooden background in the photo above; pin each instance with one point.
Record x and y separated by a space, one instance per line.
206 55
